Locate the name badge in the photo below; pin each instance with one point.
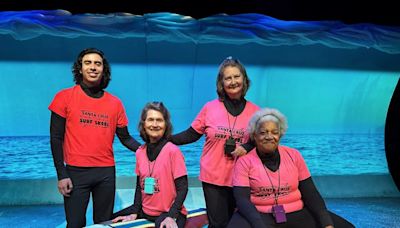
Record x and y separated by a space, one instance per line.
279 213
149 183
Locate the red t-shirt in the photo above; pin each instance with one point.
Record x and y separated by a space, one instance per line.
215 167
250 172
90 126
168 166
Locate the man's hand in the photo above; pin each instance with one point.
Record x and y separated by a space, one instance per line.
65 186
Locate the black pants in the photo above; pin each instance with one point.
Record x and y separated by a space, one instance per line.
180 221
100 182
220 204
297 219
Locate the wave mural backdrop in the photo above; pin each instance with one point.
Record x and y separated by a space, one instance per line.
333 81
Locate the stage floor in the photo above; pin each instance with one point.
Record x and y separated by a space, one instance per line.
362 212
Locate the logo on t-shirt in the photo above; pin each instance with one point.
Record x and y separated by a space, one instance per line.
93 119
223 133
267 192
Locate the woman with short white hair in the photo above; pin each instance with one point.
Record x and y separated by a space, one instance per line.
272 184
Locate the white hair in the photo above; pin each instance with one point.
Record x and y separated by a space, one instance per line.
264 115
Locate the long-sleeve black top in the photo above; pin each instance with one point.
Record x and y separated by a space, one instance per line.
234 107
309 193
57 131
181 184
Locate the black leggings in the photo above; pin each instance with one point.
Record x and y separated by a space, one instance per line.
220 204
297 219
98 181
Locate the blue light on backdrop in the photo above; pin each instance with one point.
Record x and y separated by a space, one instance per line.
333 81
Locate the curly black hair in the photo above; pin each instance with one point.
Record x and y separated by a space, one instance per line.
77 67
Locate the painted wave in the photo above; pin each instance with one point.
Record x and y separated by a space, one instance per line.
235 29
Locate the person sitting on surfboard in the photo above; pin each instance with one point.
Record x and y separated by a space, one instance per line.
162 183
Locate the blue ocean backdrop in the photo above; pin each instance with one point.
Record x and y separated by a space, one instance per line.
333 85
325 154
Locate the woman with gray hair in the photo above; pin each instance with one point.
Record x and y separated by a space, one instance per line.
223 121
272 184
162 183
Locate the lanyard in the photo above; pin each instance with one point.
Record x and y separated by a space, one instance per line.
149 162
229 123
276 194
152 168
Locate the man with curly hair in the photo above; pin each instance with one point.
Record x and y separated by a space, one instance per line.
84 121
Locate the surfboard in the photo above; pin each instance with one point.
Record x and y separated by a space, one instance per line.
196 218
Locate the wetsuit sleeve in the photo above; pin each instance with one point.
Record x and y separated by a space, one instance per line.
185 137
181 185
314 202
126 139
137 203
246 207
57 131
248 146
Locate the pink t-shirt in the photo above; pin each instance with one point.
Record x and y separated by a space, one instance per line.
215 167
250 172
168 166
90 126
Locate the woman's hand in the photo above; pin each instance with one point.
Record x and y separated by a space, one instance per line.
239 151
169 223
126 218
